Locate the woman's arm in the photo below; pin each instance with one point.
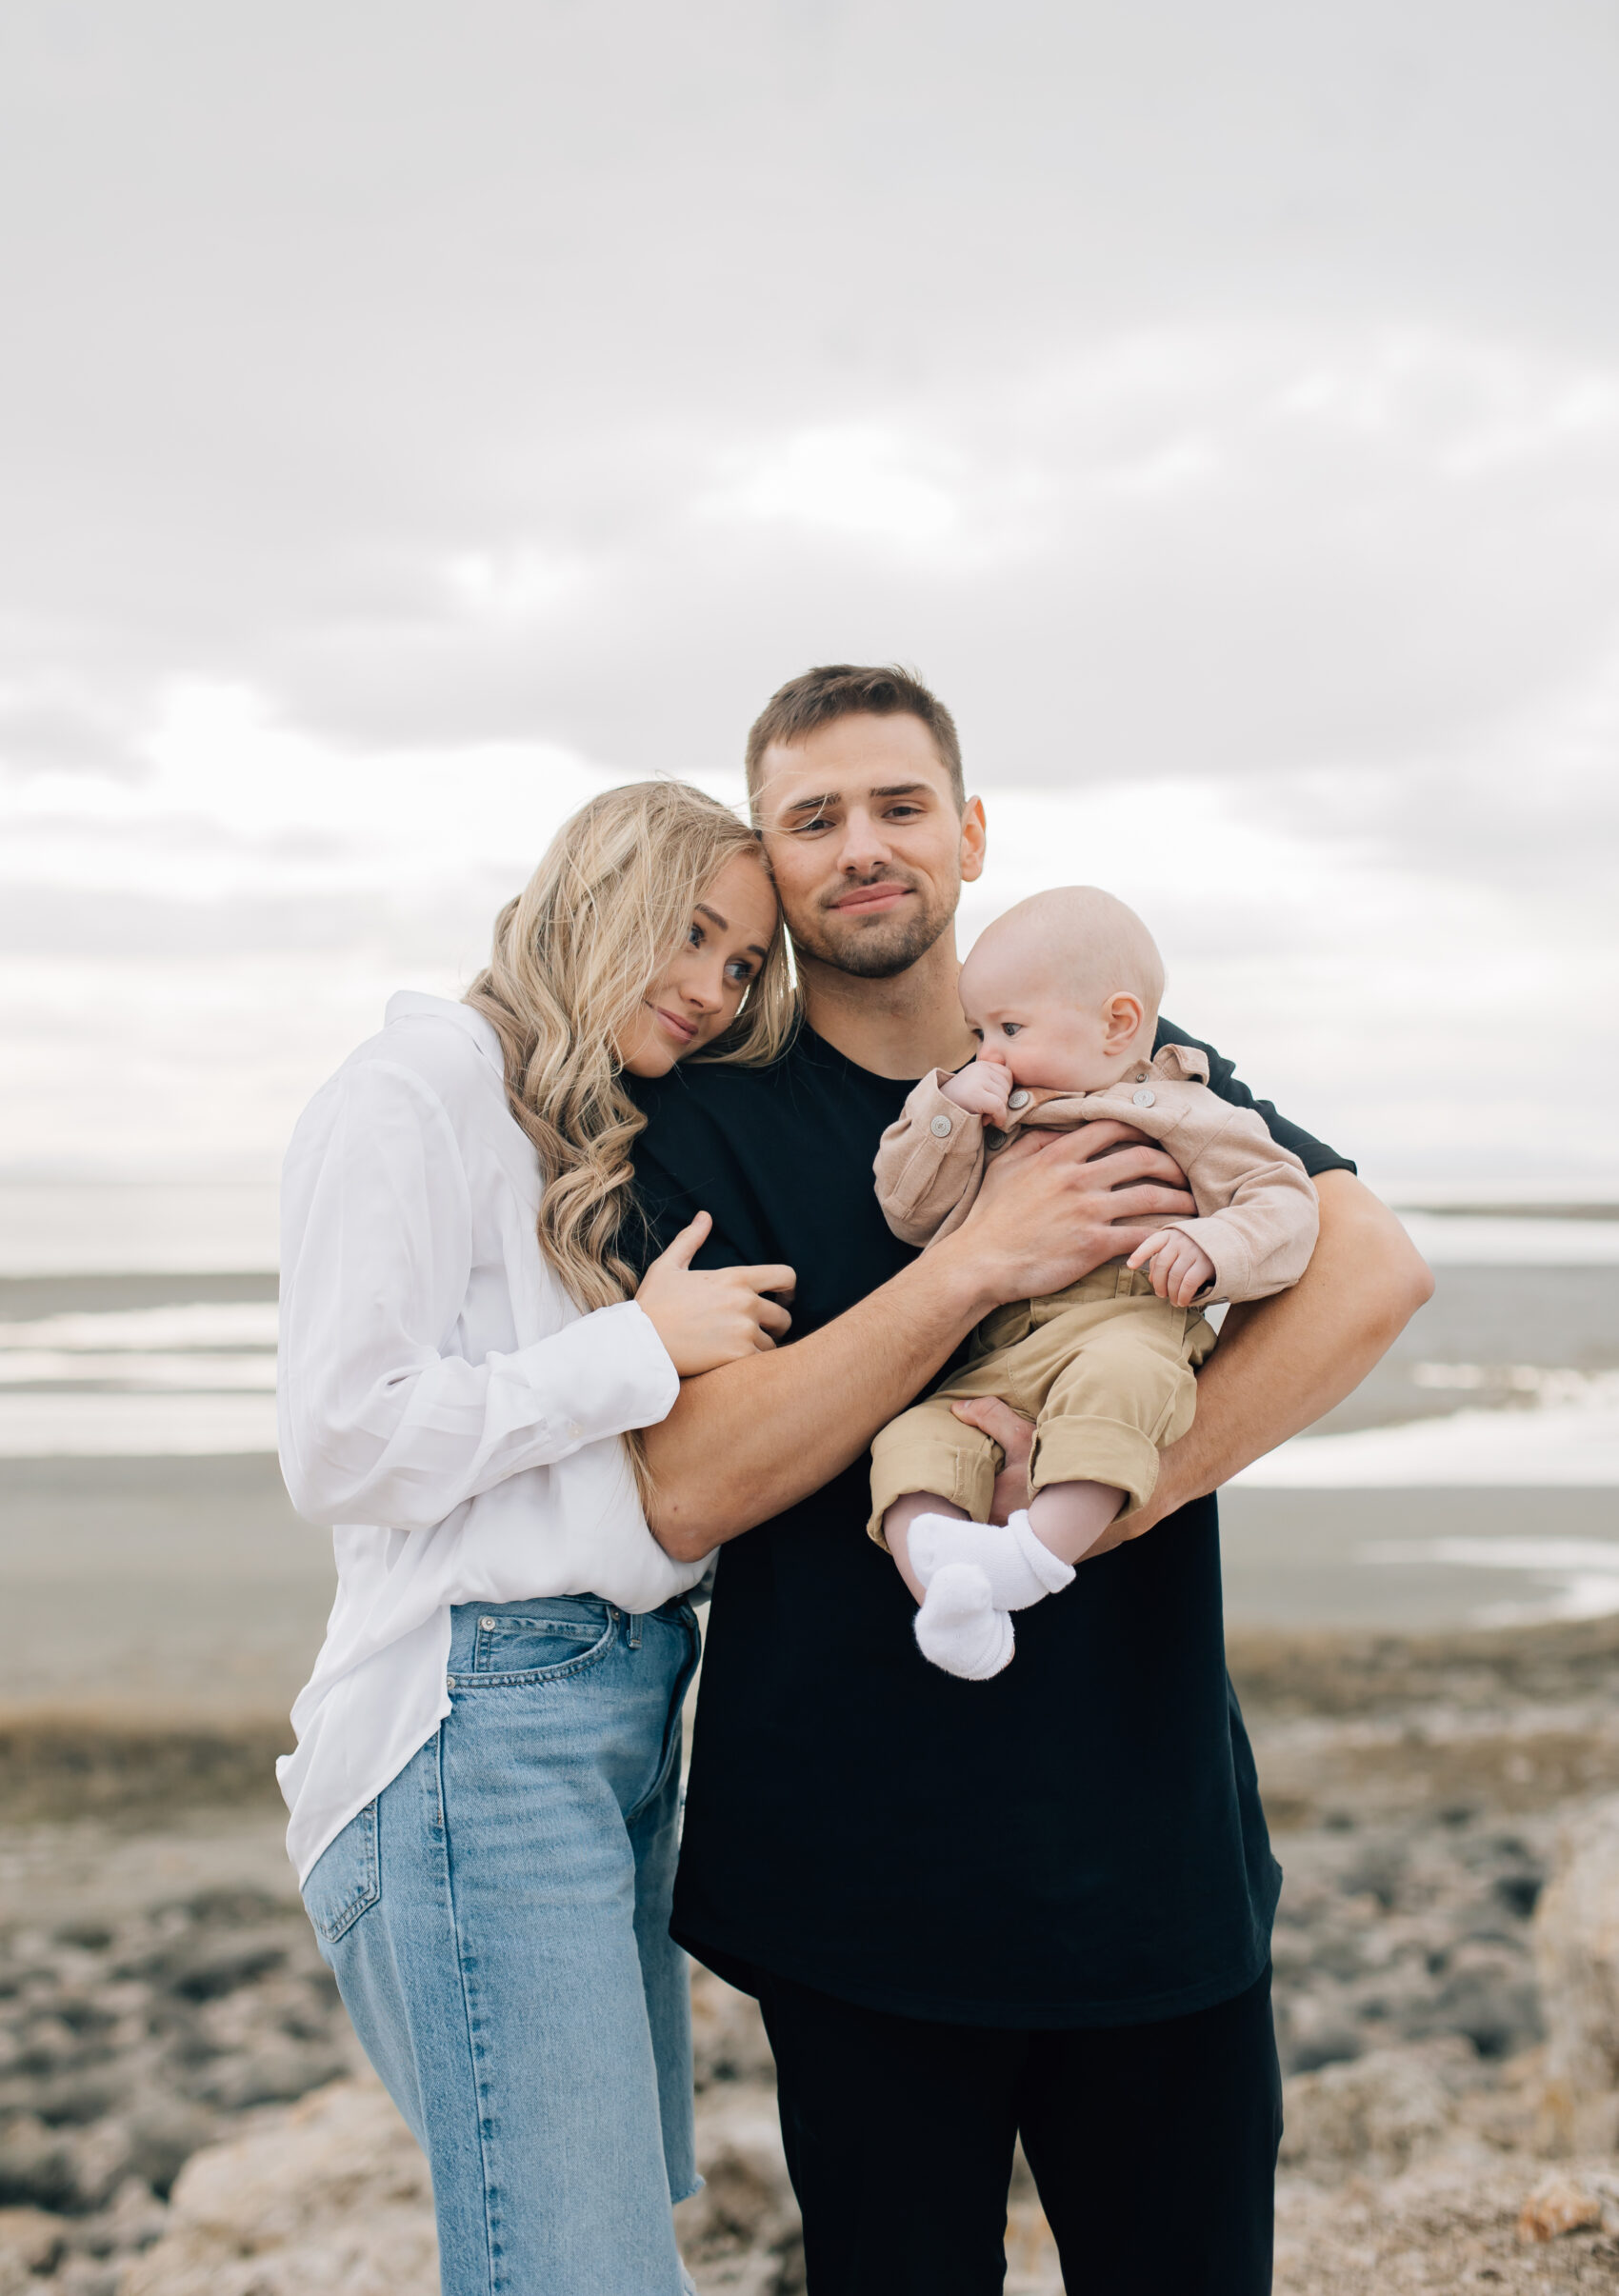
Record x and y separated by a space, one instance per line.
381 1419
1284 1362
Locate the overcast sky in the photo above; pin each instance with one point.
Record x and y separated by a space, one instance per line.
413 418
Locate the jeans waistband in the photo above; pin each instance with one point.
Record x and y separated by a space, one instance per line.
586 1617
584 1608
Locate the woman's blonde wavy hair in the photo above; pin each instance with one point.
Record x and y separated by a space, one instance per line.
594 928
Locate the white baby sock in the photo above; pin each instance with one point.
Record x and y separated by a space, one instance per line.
960 1628
975 1575
1020 1568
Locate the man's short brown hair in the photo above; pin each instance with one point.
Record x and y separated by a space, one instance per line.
819 697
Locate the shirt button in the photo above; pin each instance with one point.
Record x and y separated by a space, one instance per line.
486 1624
449 1682
573 1430
941 1128
1144 1099
1020 1099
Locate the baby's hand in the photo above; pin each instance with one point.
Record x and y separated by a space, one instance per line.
1179 1267
982 1090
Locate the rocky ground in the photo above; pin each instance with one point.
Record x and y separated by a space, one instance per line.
182 2109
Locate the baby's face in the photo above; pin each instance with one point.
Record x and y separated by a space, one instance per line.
1023 1016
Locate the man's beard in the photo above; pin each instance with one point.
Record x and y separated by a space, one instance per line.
874 953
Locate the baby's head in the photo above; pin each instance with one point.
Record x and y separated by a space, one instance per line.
1062 990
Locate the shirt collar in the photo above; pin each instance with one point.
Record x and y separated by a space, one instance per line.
1181 1062
411 1004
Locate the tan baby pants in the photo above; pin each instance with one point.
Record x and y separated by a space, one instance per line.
1105 1371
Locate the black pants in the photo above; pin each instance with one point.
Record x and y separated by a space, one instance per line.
1154 2146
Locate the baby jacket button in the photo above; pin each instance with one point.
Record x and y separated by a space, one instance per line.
1144 1099
940 1127
1019 1099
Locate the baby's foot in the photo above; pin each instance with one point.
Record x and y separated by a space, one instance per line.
1020 1568
959 1626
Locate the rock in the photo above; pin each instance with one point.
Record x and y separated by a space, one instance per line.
329 2195
1577 1934
84 2276
134 2219
30 2240
1375 2116
1556 2206
36 2164
279 2072
1448 2224
741 2233
728 2034
1486 1998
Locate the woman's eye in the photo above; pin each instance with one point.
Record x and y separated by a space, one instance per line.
694 938
739 970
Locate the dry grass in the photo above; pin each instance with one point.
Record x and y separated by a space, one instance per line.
1288 1674
123 1768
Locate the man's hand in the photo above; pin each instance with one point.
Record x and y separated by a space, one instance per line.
1283 1362
1054 1206
1179 1267
982 1088
1015 1435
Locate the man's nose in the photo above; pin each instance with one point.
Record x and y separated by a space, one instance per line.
864 846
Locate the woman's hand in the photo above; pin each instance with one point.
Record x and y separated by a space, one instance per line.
706 1317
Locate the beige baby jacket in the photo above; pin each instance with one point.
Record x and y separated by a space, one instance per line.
1256 1210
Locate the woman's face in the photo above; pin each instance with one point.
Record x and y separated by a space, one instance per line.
698 996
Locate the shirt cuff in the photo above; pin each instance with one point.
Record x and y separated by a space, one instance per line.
603 1375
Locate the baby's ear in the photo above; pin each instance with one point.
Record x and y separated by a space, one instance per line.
1122 1017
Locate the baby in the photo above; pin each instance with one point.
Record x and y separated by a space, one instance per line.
1062 994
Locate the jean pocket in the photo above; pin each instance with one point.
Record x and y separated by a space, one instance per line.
537 1644
347 1878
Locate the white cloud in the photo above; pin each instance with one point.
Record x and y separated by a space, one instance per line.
517 586
861 480
1236 446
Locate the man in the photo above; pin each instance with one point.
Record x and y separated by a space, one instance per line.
1040 1904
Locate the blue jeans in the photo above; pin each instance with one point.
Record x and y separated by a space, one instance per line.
497 1921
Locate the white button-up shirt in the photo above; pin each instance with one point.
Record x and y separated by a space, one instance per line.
442 1400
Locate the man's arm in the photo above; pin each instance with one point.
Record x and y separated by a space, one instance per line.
1284 1362
752 1438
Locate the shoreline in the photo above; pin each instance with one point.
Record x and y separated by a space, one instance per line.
133 1760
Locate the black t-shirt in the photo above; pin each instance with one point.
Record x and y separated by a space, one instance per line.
1077 1842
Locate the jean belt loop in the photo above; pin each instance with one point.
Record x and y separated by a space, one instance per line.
633 1622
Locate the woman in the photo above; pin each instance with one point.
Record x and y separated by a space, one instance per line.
483 1792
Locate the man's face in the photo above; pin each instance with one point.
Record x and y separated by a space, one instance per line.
869 851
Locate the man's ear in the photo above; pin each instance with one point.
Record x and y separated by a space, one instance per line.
974 837
1122 1017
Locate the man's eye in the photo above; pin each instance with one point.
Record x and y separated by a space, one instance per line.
820 821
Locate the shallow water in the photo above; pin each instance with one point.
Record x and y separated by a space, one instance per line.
186 1582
